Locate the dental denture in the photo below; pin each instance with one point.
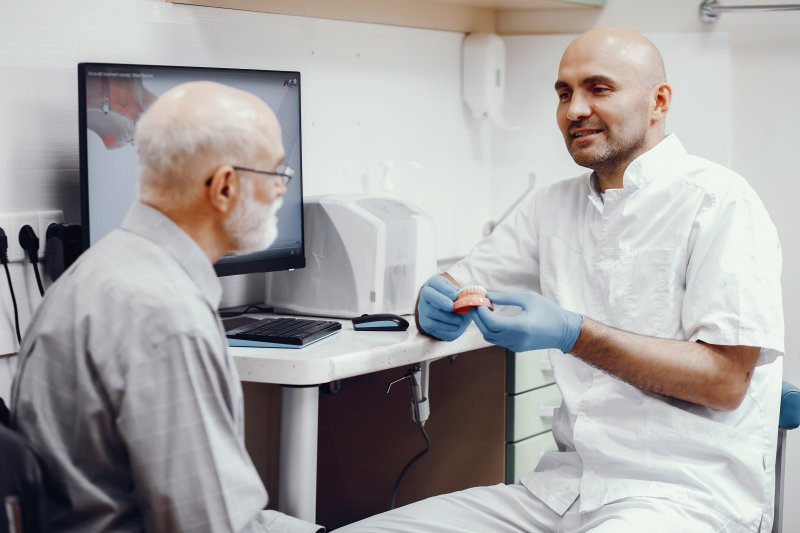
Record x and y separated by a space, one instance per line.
471 296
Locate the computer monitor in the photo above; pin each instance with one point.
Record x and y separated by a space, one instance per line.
111 97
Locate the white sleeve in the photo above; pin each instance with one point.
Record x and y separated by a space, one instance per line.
508 259
733 291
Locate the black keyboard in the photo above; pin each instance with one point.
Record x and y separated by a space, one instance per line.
293 332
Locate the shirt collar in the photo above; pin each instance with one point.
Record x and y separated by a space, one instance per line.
153 225
653 163
642 170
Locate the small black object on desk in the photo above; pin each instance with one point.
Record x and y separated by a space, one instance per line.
380 322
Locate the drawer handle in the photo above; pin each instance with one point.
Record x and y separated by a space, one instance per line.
547 411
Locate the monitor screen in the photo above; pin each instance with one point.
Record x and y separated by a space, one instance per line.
111 99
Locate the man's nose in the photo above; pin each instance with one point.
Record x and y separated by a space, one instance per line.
579 107
282 188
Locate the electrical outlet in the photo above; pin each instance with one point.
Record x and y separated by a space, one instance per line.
45 219
15 251
13 222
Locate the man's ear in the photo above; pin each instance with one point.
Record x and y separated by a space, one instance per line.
662 101
223 189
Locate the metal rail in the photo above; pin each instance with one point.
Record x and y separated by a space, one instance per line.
710 10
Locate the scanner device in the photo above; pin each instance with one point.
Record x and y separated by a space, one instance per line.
380 322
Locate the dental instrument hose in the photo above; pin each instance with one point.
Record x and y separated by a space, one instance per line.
421 426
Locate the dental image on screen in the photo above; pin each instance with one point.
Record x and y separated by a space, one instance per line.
117 95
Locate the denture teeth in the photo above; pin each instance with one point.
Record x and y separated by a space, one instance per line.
472 289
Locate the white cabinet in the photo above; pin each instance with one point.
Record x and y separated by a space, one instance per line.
531 413
531 397
523 456
527 371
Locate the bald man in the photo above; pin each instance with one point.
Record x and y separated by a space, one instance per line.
654 282
124 382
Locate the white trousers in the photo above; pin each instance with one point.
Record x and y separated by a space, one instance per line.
513 509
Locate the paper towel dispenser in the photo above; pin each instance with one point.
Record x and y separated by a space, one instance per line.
483 66
364 254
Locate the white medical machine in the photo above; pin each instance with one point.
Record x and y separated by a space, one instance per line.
364 254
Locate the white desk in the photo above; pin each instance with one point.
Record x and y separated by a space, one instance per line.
348 353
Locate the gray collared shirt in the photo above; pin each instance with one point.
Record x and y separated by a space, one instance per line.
126 385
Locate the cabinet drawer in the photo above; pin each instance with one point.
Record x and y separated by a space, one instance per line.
531 412
527 370
523 456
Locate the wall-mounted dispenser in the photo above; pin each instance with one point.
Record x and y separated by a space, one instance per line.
483 66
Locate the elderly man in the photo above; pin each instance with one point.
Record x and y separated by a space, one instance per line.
124 380
654 281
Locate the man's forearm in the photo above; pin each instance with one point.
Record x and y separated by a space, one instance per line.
710 375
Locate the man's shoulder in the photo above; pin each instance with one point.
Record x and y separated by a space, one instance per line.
128 262
129 275
712 178
126 301
558 195
579 182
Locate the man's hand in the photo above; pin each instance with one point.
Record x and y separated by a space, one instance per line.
541 324
435 310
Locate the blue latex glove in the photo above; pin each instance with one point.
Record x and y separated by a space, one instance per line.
541 324
435 310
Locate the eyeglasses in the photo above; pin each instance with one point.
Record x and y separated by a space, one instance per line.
285 172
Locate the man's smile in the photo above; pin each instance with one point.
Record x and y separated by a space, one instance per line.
582 133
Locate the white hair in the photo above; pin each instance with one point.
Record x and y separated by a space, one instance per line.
176 154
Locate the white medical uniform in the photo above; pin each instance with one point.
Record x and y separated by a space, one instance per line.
686 251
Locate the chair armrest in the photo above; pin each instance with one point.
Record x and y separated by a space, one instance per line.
790 406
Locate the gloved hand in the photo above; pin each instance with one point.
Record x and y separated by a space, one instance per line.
541 324
435 310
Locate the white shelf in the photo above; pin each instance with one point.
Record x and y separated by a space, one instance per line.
451 15
527 4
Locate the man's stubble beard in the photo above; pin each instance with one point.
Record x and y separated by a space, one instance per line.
617 149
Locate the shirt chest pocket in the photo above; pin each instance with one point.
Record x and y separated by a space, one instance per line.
634 290
648 287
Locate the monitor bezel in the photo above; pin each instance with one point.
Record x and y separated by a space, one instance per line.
222 267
